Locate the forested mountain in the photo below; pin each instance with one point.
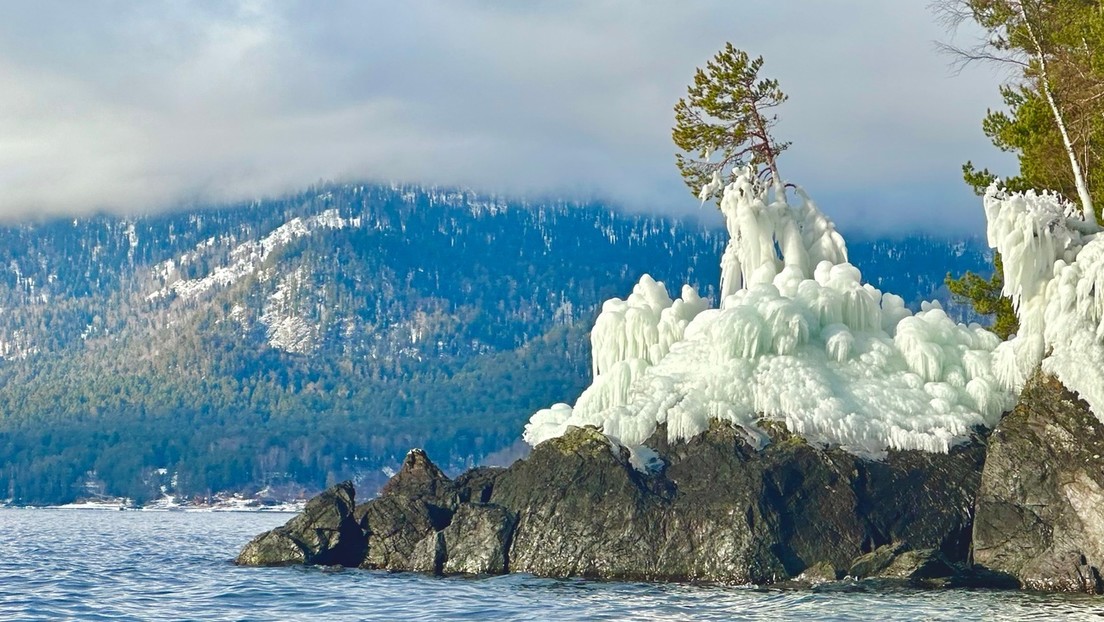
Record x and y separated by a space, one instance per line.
319 336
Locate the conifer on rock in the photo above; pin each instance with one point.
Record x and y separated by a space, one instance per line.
724 123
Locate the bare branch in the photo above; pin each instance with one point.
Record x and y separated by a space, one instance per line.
963 57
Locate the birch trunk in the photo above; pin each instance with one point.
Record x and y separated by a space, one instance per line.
1087 210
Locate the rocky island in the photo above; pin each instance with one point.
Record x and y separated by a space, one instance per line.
809 429
720 511
988 513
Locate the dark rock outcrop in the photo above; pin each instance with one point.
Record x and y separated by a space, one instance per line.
926 568
876 561
424 521
583 510
822 572
476 485
420 479
416 503
1040 509
428 555
716 510
325 533
922 565
723 511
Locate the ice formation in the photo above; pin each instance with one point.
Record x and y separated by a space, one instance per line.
798 338
1054 273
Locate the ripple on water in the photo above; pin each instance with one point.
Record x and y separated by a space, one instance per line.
96 565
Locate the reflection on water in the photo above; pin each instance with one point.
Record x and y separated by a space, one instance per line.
95 565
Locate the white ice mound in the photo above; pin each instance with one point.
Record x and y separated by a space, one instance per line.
1054 273
798 339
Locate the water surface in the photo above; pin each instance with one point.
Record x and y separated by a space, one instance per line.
104 565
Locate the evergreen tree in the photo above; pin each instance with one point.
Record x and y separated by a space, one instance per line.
985 296
724 122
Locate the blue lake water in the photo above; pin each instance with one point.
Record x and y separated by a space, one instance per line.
104 565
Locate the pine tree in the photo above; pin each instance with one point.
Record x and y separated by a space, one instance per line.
724 122
985 296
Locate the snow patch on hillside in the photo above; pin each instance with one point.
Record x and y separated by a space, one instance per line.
799 339
16 346
245 259
286 329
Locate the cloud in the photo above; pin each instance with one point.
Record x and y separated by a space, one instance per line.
132 107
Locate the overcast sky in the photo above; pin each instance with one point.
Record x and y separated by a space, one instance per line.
139 106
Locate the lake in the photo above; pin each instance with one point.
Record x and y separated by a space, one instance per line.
110 565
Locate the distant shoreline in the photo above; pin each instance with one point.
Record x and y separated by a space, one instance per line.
231 505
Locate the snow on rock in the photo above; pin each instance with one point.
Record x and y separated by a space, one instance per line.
1054 273
798 338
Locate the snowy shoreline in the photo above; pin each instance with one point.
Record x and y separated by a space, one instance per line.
170 505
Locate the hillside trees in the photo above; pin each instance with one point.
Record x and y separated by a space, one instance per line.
1054 120
725 121
195 386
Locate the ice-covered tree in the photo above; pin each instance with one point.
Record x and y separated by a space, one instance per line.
725 121
1054 117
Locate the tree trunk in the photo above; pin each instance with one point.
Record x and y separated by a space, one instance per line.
1087 210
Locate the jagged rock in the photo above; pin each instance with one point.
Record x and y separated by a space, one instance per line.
973 576
921 568
714 508
418 501
724 511
393 527
420 479
583 510
1040 508
272 548
922 565
927 568
476 485
822 572
738 514
425 522
325 533
923 499
478 539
